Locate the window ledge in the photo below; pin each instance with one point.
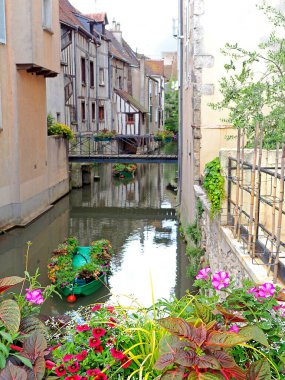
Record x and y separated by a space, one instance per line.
48 29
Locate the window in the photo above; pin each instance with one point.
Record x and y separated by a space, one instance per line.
150 114
83 113
58 117
83 71
47 13
101 77
91 74
150 90
156 115
2 22
120 83
130 118
93 111
101 113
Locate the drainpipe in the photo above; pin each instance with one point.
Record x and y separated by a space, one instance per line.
88 86
97 90
75 96
110 94
180 108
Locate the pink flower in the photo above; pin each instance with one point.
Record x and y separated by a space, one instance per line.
60 371
98 331
220 280
82 328
34 296
110 309
203 274
126 362
94 342
81 356
73 377
74 367
96 307
117 354
234 328
252 291
67 357
112 322
266 290
49 364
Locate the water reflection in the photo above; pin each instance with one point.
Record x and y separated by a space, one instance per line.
137 217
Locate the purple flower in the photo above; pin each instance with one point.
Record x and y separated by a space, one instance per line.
266 290
203 274
234 328
34 296
220 280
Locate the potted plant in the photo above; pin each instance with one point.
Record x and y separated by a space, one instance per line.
124 170
165 136
105 135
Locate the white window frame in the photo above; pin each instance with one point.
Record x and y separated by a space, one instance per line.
3 39
47 14
101 76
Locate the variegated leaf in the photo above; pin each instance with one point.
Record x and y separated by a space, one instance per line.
173 374
31 324
186 358
224 339
13 372
259 370
164 361
254 333
34 346
10 315
8 282
226 360
207 361
205 376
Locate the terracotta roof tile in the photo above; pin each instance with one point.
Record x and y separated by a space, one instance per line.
154 67
98 17
67 13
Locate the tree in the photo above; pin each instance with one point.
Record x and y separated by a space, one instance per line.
254 88
171 107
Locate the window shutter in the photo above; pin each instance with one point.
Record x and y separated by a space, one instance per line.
2 22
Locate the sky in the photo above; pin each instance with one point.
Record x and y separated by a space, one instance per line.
147 25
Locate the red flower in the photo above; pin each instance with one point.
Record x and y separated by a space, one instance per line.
81 356
97 332
112 322
67 357
117 354
126 362
101 376
60 371
74 367
96 307
54 347
98 349
73 377
93 372
94 342
110 309
16 348
82 328
49 364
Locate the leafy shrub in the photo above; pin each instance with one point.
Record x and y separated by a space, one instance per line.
214 185
105 133
59 129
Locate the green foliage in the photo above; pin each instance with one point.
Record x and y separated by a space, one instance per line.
164 135
59 129
214 185
194 232
194 255
105 133
60 267
171 107
121 168
254 88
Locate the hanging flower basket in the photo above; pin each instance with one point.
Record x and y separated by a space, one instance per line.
105 135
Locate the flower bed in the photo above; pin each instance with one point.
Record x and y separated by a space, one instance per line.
105 135
124 170
72 266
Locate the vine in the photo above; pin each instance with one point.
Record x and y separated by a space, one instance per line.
214 185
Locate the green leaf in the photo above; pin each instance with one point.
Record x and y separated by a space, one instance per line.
10 315
171 343
254 333
13 372
8 282
259 370
2 360
205 376
224 339
6 336
25 361
4 349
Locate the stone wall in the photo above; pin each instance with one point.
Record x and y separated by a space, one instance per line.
223 252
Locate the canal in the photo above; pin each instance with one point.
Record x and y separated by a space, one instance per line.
138 216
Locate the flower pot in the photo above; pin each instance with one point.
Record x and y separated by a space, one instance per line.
168 139
103 138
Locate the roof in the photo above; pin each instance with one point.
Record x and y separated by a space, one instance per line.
154 67
67 13
122 51
128 98
98 17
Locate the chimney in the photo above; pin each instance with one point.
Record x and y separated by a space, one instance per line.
116 31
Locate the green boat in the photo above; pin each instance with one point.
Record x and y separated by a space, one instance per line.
80 287
86 289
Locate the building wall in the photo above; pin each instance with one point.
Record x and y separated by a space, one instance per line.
207 27
24 184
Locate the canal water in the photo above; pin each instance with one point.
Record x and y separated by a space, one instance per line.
138 216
